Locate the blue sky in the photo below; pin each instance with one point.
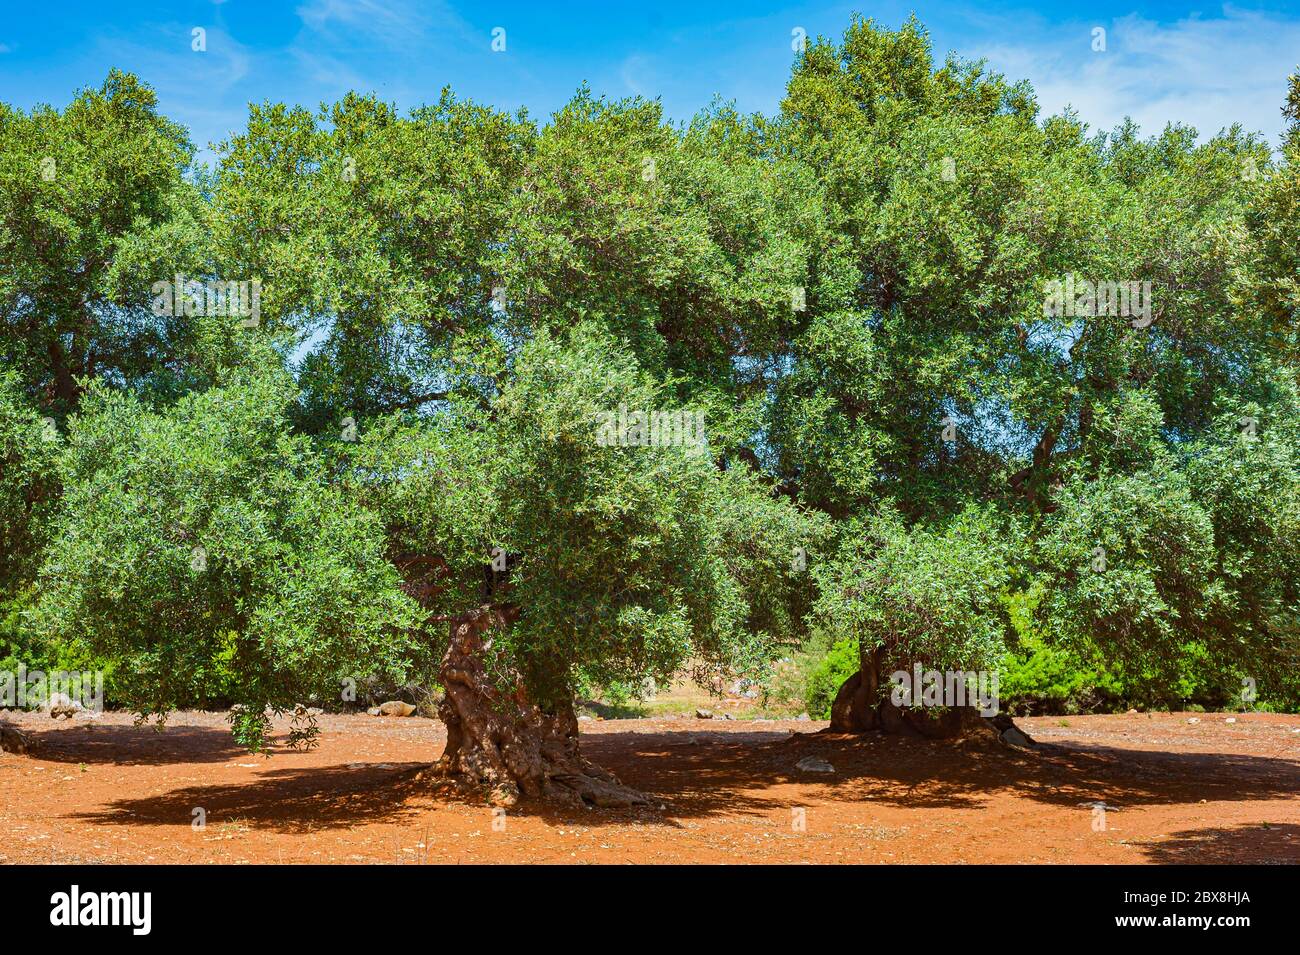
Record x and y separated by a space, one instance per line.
1204 65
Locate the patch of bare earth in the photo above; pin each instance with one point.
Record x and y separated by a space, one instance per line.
103 790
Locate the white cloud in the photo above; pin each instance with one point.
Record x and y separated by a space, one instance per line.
634 71
197 89
329 73
394 22
1206 73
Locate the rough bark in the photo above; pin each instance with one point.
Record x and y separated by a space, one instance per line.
65 385
1029 480
855 709
860 708
500 741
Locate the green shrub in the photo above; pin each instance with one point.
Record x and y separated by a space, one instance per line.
18 644
1042 679
826 678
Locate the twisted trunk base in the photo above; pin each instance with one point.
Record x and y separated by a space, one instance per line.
504 743
859 708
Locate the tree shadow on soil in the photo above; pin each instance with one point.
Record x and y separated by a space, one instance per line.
1275 843
96 744
719 776
699 774
300 800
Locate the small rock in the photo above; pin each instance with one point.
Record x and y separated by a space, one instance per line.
396 708
702 714
61 705
814 764
1132 712
584 718
373 711
803 718
1013 736
1230 719
1194 720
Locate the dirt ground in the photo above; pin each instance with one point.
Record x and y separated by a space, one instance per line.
102 790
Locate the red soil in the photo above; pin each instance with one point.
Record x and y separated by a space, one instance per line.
104 791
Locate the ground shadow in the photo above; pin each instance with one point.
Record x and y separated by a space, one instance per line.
1253 843
718 773
699 773
299 800
96 744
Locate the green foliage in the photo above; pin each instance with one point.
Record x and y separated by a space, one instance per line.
1043 679
28 484
905 450
94 207
1040 676
18 644
826 678
923 594
630 559
380 232
23 643
1192 555
1133 553
206 539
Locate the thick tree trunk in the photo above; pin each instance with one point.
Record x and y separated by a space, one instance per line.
859 707
856 706
500 741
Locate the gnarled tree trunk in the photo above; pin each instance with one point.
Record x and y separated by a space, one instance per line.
502 741
856 706
859 707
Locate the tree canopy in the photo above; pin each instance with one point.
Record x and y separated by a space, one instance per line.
922 350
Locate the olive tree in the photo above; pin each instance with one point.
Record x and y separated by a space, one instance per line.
555 539
207 535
